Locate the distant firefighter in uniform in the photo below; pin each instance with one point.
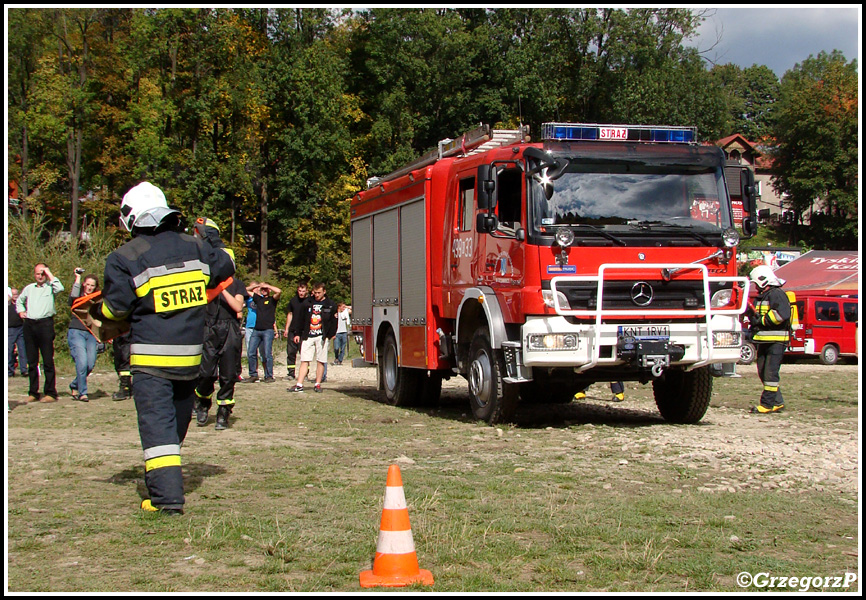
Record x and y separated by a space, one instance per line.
222 345
158 281
771 323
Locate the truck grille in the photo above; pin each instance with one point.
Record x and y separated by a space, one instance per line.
623 295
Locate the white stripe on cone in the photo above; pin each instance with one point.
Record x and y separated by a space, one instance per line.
395 542
394 498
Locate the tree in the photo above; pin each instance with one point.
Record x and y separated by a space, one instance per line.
816 157
26 42
750 96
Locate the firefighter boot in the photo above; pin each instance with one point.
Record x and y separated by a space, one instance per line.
201 409
124 390
222 418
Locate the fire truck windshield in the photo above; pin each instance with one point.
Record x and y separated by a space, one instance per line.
631 197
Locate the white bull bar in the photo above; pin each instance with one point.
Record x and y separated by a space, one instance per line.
706 312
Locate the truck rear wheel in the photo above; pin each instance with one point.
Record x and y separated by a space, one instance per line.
492 399
400 385
683 396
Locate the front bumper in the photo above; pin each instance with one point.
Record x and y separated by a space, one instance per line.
585 346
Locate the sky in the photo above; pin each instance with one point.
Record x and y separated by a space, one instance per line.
778 37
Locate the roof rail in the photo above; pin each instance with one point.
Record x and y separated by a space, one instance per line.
475 141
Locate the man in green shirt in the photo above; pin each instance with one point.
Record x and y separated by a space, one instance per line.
35 305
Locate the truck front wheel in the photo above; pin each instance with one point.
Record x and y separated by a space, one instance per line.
400 385
492 399
683 396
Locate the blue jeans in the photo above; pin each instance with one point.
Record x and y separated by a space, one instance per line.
263 338
341 342
82 347
15 337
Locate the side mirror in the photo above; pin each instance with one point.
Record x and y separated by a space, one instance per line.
486 187
486 223
748 192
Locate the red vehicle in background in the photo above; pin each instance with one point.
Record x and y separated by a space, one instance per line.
829 328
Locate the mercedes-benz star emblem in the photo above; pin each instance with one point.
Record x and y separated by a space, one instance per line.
642 293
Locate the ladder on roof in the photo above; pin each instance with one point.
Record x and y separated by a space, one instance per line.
478 140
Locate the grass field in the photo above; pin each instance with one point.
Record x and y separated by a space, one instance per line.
581 497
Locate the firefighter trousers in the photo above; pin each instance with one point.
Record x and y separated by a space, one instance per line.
164 409
769 361
219 361
121 354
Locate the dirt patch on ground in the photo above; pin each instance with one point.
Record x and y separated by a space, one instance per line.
743 451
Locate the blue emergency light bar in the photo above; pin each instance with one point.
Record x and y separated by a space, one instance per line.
573 132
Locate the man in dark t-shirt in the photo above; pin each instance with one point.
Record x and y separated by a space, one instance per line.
265 298
293 324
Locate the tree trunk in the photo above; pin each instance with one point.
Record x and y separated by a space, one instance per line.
73 158
23 186
263 246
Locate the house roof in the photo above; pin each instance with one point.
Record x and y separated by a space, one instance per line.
823 273
726 141
762 159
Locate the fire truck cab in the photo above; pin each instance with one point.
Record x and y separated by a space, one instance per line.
603 253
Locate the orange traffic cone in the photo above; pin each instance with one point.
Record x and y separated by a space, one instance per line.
395 563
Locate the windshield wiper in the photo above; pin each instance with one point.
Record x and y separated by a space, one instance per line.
687 229
602 232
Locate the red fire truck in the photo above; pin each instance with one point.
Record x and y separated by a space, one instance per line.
603 253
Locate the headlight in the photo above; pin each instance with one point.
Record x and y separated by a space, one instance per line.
730 237
547 296
553 341
564 237
721 298
726 339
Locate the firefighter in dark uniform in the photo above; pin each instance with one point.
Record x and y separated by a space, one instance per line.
770 319
222 346
158 281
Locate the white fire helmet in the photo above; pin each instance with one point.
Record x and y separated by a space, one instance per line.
144 206
763 276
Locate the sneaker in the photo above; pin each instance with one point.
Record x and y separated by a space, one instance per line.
147 506
269 380
318 389
297 388
251 379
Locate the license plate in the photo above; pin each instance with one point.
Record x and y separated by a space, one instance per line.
644 332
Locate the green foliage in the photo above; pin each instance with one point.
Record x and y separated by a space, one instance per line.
817 156
751 96
270 119
31 242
